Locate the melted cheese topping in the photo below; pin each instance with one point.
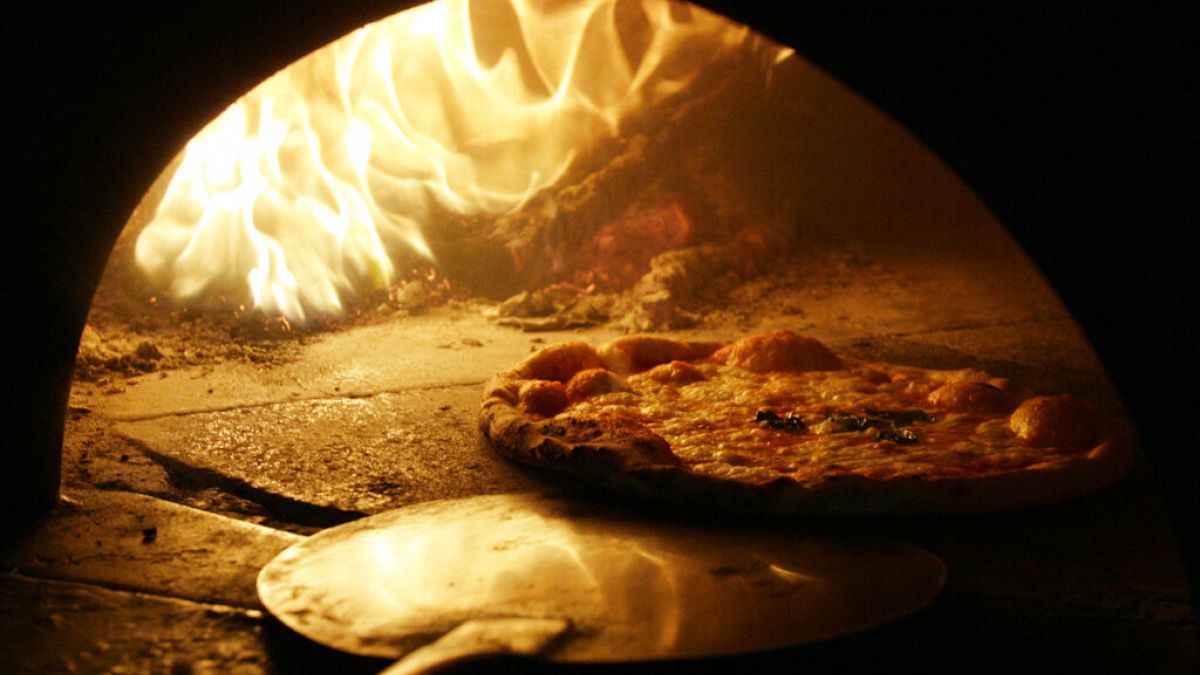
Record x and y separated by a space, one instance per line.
710 424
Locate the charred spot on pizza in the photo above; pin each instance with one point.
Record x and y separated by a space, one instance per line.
614 440
901 417
768 419
886 425
875 419
898 436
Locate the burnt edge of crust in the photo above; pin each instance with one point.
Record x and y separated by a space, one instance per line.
566 441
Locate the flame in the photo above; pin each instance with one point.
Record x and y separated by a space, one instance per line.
309 186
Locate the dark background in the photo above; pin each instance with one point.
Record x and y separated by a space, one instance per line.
1075 122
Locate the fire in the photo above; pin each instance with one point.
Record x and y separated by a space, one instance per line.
314 183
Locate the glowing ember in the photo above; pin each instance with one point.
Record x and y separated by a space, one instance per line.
619 252
311 185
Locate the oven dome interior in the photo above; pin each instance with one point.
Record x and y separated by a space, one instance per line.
739 191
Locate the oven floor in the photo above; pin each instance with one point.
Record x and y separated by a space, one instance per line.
181 484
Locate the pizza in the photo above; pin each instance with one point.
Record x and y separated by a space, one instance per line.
777 424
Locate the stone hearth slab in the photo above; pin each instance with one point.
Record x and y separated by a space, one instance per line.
57 627
130 541
343 456
441 349
60 627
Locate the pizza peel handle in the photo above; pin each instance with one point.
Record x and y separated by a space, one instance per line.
482 638
536 576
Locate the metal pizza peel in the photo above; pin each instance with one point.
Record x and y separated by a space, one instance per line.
572 582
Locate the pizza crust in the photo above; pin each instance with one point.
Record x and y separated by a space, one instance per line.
618 452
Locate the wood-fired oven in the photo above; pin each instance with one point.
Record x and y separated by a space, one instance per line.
1049 116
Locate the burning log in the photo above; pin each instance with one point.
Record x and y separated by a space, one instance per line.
625 202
